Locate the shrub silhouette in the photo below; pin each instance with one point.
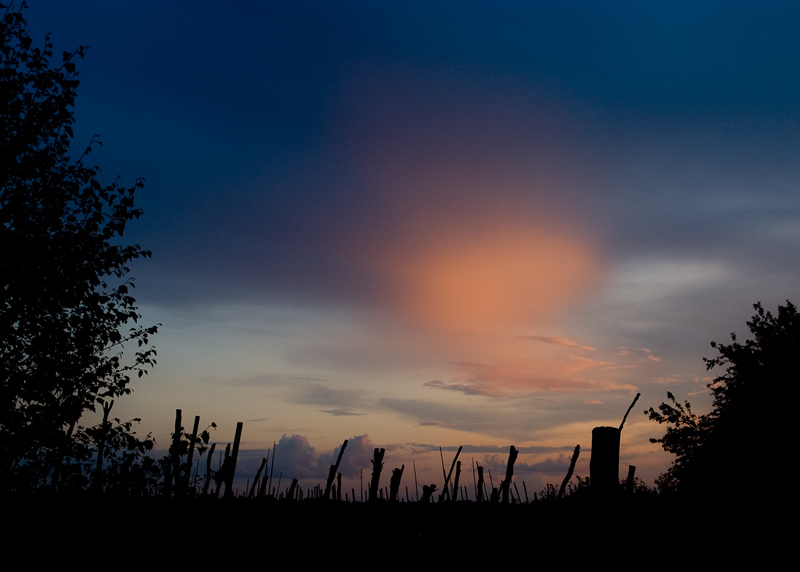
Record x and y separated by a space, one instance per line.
719 452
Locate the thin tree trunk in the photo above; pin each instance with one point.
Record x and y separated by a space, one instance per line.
97 483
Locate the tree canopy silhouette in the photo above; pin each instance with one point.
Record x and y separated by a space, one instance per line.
722 451
67 307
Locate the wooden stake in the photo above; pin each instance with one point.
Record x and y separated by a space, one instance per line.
191 450
512 458
571 470
333 470
445 489
416 488
234 456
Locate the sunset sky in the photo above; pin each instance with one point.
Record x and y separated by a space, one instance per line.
423 224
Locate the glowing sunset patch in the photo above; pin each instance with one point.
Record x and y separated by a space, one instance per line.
484 280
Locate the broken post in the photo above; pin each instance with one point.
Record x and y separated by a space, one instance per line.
630 482
512 458
394 482
377 467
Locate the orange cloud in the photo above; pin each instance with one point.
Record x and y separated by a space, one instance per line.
637 353
564 342
522 377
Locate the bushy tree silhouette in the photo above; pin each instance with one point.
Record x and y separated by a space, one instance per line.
736 443
67 305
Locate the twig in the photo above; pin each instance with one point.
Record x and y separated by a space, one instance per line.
635 399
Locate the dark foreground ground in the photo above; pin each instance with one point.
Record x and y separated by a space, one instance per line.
642 534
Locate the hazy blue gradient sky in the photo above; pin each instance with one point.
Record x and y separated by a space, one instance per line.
443 223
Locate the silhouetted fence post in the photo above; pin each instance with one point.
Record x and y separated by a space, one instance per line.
262 489
223 470
332 473
571 470
512 458
292 490
258 476
394 483
272 466
377 467
190 455
479 489
427 492
630 482
234 456
208 468
416 488
446 488
604 463
455 480
173 472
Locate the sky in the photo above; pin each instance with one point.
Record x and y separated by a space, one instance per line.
417 225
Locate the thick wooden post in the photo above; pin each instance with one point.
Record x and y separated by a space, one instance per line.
604 464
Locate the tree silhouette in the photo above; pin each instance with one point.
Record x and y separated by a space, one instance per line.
721 451
67 302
